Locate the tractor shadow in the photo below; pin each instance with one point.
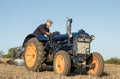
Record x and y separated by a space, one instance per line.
75 72
105 74
82 71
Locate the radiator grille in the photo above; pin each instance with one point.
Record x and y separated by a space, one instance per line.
83 47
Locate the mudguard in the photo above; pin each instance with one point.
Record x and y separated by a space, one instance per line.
39 37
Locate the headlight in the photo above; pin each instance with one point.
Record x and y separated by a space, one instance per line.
70 35
92 37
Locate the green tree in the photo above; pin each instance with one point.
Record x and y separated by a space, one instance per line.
11 51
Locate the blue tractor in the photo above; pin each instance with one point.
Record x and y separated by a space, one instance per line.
64 52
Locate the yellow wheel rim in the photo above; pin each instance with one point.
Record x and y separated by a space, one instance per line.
94 70
30 55
60 63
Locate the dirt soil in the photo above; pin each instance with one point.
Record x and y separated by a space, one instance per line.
19 72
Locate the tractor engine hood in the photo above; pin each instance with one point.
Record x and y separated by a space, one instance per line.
80 33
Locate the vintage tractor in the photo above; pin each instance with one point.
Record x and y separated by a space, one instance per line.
64 52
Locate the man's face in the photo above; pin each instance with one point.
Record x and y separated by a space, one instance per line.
49 24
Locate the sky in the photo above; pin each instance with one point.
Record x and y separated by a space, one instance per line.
18 18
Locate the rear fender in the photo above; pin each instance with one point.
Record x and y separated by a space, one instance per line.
39 37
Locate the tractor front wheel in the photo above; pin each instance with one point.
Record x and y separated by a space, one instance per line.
62 63
97 62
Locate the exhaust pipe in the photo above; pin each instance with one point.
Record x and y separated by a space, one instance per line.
68 25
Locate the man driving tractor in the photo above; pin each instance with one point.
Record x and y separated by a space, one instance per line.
43 29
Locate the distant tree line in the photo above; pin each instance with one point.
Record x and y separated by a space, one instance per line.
11 51
113 60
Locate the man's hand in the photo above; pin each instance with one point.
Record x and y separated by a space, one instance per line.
47 33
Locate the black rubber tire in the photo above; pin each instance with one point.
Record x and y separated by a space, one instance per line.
40 55
100 63
67 61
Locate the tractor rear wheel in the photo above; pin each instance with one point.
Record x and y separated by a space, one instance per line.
62 63
34 55
98 64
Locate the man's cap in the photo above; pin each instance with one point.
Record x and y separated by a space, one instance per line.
49 21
